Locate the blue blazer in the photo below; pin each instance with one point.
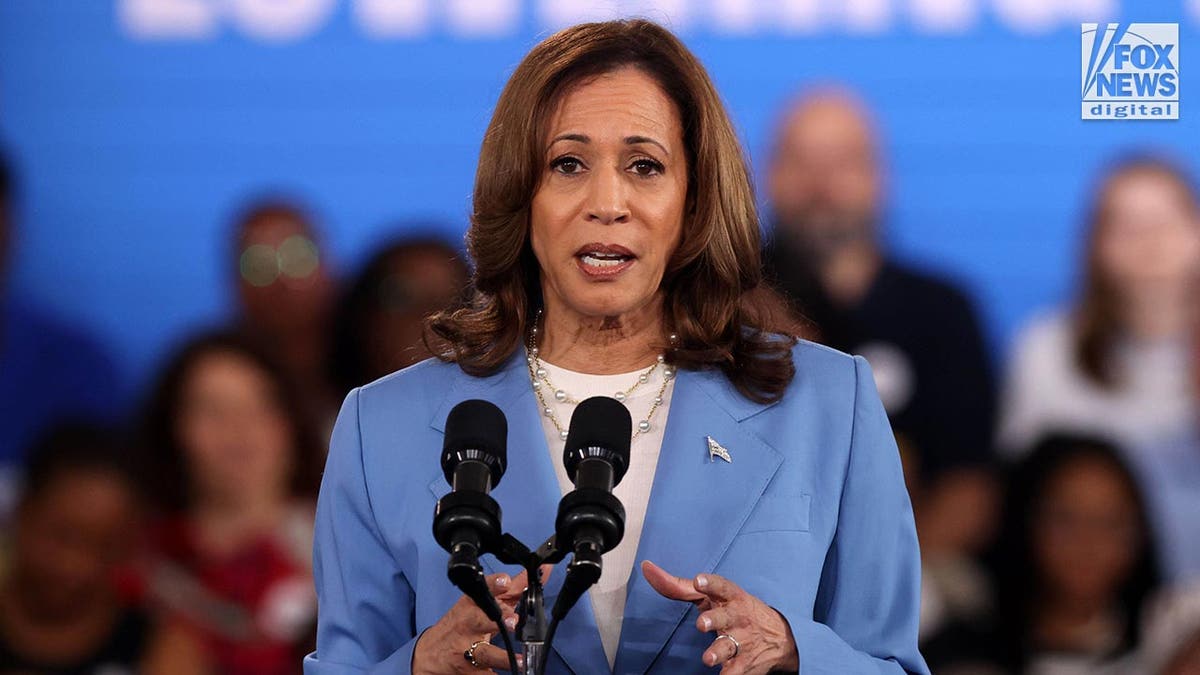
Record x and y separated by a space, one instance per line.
811 516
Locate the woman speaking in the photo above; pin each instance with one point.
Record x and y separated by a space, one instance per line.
616 249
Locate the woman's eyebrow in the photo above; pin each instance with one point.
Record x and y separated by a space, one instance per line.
582 138
634 140
629 140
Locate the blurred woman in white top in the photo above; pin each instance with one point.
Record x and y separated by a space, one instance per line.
1118 363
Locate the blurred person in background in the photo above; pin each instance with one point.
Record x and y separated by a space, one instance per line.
1118 362
49 370
1075 565
285 296
919 333
230 461
77 523
380 318
1170 471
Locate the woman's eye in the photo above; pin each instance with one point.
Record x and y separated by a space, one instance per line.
567 165
647 167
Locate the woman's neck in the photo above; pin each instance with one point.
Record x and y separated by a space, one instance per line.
601 345
223 526
1159 314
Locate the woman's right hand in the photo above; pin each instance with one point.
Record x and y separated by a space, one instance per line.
439 650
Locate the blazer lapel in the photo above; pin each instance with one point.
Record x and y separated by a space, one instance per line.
528 495
696 505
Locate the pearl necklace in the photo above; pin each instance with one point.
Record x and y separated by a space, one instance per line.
538 376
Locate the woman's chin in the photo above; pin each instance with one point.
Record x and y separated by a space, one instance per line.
606 307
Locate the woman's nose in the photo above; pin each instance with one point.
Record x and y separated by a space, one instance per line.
606 198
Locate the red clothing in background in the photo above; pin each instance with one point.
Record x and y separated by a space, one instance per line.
251 609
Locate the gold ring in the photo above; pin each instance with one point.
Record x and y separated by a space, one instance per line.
469 654
736 647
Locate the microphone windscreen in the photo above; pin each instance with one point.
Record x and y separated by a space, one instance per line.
476 429
599 423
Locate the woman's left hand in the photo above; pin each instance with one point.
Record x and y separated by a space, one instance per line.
761 642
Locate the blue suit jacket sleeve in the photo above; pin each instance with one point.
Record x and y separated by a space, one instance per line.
866 611
366 605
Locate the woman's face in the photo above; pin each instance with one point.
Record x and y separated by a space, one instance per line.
1150 240
1086 535
235 434
609 209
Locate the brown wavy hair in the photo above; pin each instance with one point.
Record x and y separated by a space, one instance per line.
714 297
1097 318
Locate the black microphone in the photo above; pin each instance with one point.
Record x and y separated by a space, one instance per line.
591 520
466 522
475 450
597 451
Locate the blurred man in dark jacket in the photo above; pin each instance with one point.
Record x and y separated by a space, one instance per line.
919 333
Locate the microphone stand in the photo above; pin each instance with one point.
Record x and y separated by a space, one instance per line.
532 629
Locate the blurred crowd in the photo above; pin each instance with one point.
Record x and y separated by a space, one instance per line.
1057 495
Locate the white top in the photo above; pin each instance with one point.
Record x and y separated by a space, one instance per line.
608 595
1170 475
1046 391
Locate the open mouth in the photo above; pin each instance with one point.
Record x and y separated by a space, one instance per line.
604 258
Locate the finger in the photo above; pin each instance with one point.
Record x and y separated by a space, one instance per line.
520 582
669 585
470 620
716 587
508 596
499 584
735 667
716 620
477 625
720 651
489 656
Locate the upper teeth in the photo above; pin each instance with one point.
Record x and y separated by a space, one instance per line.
602 259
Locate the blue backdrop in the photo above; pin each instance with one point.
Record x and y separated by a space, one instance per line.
139 126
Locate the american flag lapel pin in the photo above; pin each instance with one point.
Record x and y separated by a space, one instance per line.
715 450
